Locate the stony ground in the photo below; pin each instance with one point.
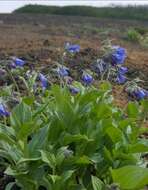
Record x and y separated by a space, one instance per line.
40 39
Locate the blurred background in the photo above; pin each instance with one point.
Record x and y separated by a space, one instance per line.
9 6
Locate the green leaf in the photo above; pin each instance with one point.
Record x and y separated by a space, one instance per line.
132 110
38 141
66 175
21 115
28 100
68 138
130 177
138 148
48 158
103 111
55 178
13 172
114 133
84 160
105 86
9 186
96 183
7 134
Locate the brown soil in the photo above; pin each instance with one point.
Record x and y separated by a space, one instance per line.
40 39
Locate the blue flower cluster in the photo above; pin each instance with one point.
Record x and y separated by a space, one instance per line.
118 57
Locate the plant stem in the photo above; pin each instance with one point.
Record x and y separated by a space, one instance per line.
13 79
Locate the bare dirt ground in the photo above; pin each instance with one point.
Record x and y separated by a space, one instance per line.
40 39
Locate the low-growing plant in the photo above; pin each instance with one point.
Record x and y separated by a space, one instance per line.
133 35
80 142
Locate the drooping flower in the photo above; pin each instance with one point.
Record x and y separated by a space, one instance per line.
44 81
72 48
62 71
87 78
123 70
120 79
3 111
18 62
74 90
118 55
12 65
140 93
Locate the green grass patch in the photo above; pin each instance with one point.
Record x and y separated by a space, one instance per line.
129 12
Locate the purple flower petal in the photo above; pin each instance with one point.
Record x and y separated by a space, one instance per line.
120 79
74 90
118 56
19 62
3 111
44 81
87 78
123 70
140 94
63 71
72 48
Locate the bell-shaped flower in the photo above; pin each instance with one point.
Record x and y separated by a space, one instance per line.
3 111
44 81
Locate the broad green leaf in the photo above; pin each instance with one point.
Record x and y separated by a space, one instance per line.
10 185
132 110
13 172
38 141
114 133
66 175
138 148
130 177
75 138
28 100
20 116
96 183
48 158
28 160
7 135
84 160
103 111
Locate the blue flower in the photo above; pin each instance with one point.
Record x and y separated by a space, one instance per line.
120 79
146 93
19 62
74 90
3 111
44 81
140 93
87 78
123 70
72 48
63 71
12 65
119 54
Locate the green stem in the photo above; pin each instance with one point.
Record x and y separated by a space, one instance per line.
14 81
